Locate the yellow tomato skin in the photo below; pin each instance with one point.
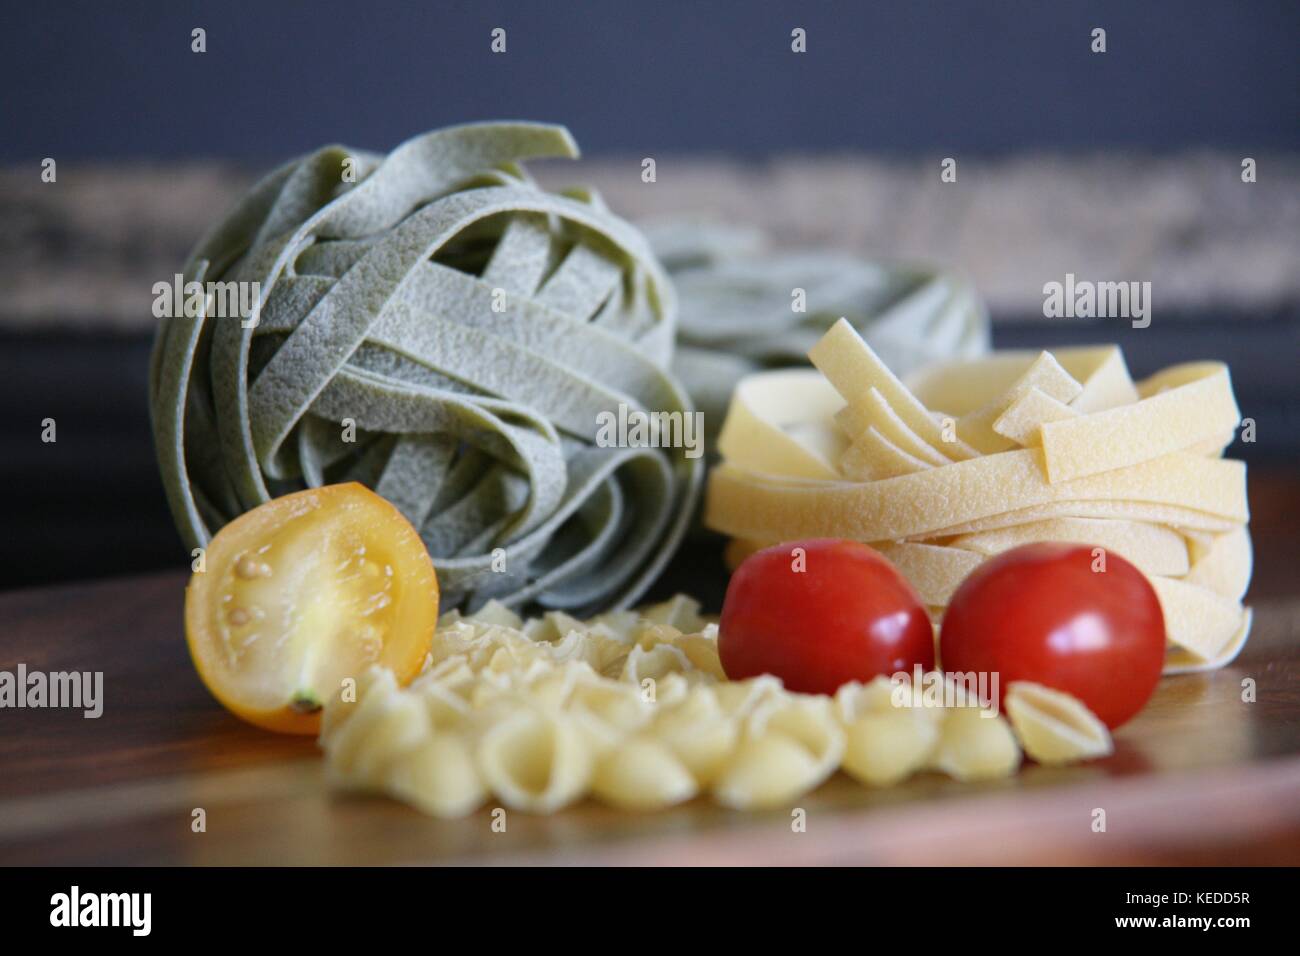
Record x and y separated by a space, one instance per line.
363 514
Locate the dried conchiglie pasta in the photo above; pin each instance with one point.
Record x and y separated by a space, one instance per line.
451 672
535 761
382 729
791 745
596 647
1054 727
642 774
462 638
854 700
508 659
551 627
494 612
767 772
439 777
445 708
653 664
679 611
741 698
341 706
702 651
649 634
975 744
619 624
600 736
882 749
625 706
699 732
498 711
670 691
491 691
553 687
883 695
809 720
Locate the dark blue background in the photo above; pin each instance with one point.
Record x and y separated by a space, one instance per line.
100 79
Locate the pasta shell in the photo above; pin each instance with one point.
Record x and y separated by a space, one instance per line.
338 711
439 777
1054 727
446 709
740 698
700 733
555 626
673 689
882 749
535 761
620 705
553 687
680 612
451 671
810 721
383 728
973 746
618 623
702 652
574 646
642 774
494 612
653 664
792 743
767 772
854 700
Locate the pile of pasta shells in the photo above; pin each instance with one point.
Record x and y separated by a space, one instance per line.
633 708
973 457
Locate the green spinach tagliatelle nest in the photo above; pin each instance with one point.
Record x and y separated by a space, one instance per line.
447 332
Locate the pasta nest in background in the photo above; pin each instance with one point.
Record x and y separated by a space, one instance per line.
745 308
445 331
971 458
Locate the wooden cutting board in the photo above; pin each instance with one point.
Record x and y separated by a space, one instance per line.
1201 776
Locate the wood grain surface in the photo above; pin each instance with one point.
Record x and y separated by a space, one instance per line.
1201 776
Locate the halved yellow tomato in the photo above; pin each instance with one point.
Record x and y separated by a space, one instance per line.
304 592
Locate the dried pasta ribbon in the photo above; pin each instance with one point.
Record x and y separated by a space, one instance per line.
973 458
1182 407
471 327
755 435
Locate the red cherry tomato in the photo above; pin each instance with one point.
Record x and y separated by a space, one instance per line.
838 613
1041 613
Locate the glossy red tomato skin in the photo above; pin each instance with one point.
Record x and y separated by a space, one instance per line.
849 615
1041 613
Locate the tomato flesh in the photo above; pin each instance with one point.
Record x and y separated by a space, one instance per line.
821 613
1048 613
304 592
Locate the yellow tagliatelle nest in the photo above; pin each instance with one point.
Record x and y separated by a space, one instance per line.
634 710
974 457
